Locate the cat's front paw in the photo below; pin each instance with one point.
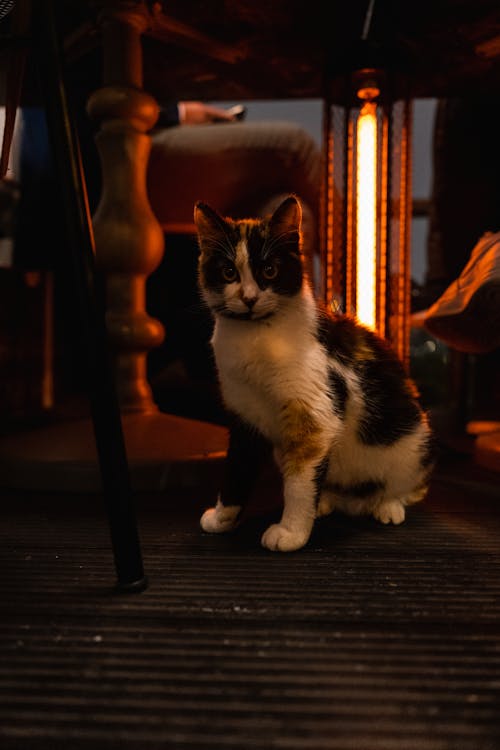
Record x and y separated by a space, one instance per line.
220 519
277 538
390 511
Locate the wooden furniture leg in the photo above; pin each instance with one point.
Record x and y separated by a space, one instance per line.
106 422
129 239
162 449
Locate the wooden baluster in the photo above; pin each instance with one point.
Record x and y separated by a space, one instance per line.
129 240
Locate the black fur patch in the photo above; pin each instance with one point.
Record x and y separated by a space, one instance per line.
339 391
391 410
262 251
247 452
340 335
218 251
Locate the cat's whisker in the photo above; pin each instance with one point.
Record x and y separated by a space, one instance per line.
214 243
279 239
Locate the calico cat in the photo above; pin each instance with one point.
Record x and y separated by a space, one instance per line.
327 394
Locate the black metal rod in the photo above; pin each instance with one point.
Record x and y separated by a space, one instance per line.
104 404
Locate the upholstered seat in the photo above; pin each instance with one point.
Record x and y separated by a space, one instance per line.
242 169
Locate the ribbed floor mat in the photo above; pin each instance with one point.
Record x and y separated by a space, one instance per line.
370 638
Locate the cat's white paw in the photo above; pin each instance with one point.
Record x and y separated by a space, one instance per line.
277 538
220 519
390 511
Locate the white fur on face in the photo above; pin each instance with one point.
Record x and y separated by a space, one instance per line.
246 288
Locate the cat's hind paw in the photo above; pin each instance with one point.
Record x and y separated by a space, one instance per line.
221 518
278 538
325 506
390 511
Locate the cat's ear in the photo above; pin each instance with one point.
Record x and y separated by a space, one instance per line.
287 217
208 222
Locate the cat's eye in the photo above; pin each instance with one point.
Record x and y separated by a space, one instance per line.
270 271
229 273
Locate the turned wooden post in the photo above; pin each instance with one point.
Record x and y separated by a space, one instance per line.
129 240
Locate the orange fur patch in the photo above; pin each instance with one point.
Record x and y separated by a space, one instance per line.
302 441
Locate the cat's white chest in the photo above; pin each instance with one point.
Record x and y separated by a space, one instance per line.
252 354
262 367
255 350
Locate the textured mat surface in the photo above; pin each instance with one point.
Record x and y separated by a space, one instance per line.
370 638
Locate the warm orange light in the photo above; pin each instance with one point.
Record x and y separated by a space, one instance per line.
367 210
366 215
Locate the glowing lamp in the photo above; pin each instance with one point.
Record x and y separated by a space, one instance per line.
366 215
366 229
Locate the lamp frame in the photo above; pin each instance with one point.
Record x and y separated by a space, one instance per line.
393 216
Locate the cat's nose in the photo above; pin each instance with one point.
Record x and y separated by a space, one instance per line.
249 301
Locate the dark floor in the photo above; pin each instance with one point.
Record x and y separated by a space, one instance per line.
370 638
